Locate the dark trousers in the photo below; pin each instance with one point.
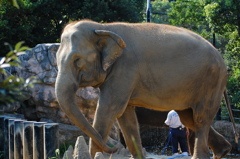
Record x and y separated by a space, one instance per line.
179 136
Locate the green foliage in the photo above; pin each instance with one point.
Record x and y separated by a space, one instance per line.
13 89
57 154
12 2
189 14
223 15
109 11
159 12
64 147
233 48
136 147
1 154
42 21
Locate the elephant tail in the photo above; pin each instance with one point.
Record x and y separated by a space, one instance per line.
231 116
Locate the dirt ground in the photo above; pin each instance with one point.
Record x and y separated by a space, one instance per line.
153 156
149 156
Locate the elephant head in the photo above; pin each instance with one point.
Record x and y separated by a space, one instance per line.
84 58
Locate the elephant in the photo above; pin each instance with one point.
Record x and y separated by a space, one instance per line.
219 145
155 66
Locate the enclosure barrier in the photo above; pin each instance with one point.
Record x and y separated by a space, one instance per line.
21 139
225 116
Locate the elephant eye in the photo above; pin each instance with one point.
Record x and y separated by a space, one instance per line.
76 62
79 63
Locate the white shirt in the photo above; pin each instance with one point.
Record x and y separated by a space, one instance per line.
173 120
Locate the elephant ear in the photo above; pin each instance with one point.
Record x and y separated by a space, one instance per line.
112 46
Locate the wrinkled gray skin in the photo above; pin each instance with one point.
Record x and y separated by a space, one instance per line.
155 66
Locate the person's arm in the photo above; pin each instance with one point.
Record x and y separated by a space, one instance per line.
168 120
165 125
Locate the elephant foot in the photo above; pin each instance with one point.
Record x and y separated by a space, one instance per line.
94 152
141 155
93 149
201 156
137 157
219 155
221 150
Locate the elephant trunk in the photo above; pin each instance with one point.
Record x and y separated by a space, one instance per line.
66 88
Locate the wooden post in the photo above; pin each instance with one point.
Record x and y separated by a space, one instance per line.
51 143
28 139
18 139
11 137
2 133
38 140
6 137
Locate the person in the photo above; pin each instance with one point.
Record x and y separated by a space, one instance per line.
178 133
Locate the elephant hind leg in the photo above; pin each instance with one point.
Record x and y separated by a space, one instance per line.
204 113
129 127
219 145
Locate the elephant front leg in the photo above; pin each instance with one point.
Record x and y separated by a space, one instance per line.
191 140
201 149
129 127
102 124
108 109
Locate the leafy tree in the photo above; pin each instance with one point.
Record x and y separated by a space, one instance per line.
13 2
159 12
233 56
12 88
223 15
41 21
189 14
117 10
